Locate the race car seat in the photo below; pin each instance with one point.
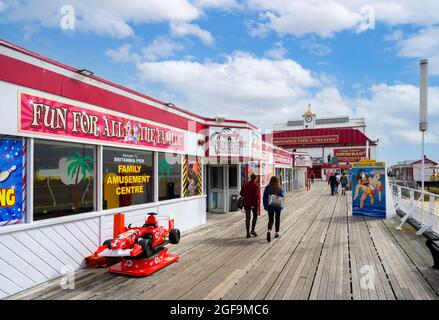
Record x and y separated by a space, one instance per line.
151 221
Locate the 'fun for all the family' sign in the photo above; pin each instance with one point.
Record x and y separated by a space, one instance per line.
44 116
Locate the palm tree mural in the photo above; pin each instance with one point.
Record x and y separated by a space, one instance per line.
164 168
78 164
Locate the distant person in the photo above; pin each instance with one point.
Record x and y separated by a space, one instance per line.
329 158
328 175
250 193
273 188
344 183
312 177
338 176
337 183
332 183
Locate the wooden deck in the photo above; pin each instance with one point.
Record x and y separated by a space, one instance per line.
323 253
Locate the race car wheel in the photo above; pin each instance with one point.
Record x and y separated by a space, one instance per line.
174 236
146 246
107 243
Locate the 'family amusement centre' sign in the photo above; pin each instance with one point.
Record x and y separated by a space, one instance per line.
44 116
369 189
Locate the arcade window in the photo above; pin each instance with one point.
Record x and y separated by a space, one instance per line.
217 178
64 175
233 176
128 177
169 170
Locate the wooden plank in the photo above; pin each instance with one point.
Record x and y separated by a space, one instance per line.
319 255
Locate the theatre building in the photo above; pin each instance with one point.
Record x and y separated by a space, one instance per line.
76 149
333 143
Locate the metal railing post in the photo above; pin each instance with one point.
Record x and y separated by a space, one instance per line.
398 204
410 211
430 220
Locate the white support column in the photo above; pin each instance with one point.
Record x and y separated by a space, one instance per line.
99 196
98 165
156 176
30 180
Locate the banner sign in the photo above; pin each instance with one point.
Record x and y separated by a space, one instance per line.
350 155
228 142
286 141
234 142
369 189
278 159
48 117
11 181
302 160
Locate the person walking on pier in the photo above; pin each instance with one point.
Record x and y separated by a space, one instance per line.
344 183
273 204
332 183
337 184
250 194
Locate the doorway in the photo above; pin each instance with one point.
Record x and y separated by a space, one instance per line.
223 182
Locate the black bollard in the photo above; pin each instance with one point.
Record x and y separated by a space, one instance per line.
433 245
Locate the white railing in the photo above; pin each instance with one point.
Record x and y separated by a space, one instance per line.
419 205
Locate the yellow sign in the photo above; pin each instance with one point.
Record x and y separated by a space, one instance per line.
117 180
7 197
368 164
364 160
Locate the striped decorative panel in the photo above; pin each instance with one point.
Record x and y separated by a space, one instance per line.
33 256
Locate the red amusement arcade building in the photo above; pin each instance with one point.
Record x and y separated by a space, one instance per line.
333 143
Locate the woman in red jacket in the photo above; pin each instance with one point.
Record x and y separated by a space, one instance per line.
250 193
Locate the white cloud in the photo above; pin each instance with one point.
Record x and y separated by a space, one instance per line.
218 4
394 36
121 54
183 29
113 18
424 44
160 48
315 47
2 6
266 91
326 17
278 51
392 113
301 17
243 86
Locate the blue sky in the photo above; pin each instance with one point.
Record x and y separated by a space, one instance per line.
258 60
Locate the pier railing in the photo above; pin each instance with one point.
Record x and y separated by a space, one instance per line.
422 206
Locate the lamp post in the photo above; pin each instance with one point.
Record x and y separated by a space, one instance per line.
378 149
423 114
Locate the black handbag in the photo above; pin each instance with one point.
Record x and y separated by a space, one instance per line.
240 203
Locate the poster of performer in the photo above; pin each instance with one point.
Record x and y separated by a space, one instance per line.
369 189
11 181
192 176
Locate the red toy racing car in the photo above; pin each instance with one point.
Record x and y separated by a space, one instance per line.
142 249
